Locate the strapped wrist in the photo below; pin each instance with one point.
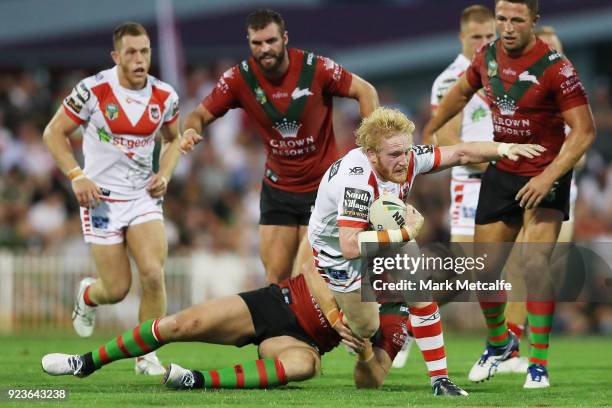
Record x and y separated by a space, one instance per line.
503 149
75 174
333 316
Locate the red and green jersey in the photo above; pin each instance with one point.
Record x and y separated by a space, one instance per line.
308 313
528 93
293 115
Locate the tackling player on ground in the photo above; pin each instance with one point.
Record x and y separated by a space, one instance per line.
386 162
534 92
288 94
121 110
293 323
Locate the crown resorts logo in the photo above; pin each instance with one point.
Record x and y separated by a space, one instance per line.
287 129
506 105
566 70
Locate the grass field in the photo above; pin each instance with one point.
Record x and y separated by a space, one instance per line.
581 375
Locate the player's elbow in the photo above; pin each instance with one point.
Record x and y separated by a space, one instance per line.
590 132
369 91
50 134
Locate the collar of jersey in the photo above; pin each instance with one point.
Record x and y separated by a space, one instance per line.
114 80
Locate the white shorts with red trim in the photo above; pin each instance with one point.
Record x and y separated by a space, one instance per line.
341 275
464 200
106 224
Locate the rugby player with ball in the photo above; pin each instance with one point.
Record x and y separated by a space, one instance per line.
386 162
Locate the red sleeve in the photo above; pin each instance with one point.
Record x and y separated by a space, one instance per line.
472 74
223 96
352 224
335 79
566 86
437 157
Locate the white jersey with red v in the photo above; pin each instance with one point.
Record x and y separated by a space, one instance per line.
119 130
345 195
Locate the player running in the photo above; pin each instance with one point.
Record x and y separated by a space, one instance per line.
388 162
121 110
473 123
534 92
287 92
293 323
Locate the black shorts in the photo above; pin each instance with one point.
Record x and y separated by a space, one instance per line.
280 207
498 191
272 317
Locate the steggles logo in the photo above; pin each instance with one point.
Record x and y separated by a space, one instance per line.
287 129
506 106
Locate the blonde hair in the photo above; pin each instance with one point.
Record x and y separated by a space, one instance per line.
383 123
476 13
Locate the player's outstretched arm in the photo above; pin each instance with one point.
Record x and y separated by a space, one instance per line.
449 135
365 94
56 137
480 152
195 123
452 103
167 161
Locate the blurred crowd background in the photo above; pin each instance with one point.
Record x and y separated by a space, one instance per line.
212 203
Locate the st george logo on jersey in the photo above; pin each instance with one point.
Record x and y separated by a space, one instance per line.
111 111
154 113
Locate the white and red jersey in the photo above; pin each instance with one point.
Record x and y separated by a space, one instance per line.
345 194
119 130
477 123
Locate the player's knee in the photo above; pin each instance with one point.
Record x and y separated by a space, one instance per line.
302 366
152 277
169 328
533 263
117 292
311 366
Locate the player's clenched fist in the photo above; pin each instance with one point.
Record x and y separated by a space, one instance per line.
189 139
157 186
86 192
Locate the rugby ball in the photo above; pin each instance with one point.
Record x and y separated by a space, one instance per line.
387 212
